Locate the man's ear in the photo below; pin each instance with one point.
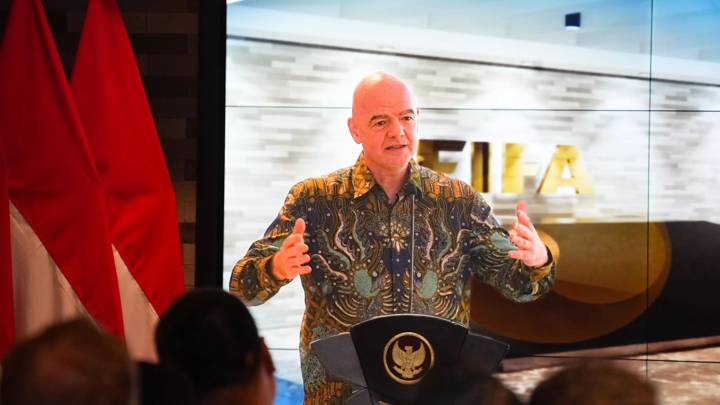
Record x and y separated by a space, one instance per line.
265 357
353 130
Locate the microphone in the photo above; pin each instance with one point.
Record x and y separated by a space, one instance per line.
412 254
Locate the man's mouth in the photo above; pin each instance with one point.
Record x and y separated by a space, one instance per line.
395 147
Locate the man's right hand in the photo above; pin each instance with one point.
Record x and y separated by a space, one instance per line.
291 259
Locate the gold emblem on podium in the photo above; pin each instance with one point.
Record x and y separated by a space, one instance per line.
407 357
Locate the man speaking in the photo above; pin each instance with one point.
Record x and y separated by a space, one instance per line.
386 236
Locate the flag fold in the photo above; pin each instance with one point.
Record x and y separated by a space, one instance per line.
121 133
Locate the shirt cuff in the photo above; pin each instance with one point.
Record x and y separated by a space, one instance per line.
539 273
269 278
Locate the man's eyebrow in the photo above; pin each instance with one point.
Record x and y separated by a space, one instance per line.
385 116
377 117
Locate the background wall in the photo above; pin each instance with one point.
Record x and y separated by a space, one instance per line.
164 36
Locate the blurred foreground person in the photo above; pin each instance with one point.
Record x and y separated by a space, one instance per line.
72 363
597 383
161 384
450 385
210 335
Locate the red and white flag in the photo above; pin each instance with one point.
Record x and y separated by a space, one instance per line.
7 316
140 198
60 241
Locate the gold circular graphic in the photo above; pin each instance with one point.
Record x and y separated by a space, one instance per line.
608 276
407 357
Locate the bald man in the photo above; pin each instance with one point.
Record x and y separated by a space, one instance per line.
386 236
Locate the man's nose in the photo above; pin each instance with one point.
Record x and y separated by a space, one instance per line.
396 129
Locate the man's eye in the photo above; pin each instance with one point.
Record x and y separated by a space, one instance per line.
409 118
379 123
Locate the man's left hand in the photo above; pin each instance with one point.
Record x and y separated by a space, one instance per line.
531 249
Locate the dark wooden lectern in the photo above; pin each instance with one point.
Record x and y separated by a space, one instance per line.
387 356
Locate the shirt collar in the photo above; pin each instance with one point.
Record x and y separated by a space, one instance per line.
363 180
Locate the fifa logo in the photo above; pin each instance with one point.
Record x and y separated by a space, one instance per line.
565 168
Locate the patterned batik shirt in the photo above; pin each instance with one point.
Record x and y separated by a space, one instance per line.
362 250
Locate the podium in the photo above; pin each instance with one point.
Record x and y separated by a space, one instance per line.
386 357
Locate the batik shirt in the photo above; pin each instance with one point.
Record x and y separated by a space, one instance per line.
371 257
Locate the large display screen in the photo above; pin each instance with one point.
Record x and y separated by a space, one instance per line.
609 131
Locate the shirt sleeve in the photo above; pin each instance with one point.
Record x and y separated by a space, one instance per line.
252 278
489 246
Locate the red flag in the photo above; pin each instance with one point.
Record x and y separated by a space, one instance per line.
57 208
121 133
7 317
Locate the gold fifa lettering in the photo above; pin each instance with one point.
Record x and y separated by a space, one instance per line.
480 179
514 168
429 154
565 156
514 171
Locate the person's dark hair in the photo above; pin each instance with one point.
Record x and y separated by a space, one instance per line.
211 336
161 384
70 363
595 383
453 385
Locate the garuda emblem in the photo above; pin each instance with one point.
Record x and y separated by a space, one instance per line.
408 356
408 362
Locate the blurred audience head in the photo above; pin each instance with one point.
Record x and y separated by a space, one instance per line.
161 384
594 383
210 335
446 385
70 363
